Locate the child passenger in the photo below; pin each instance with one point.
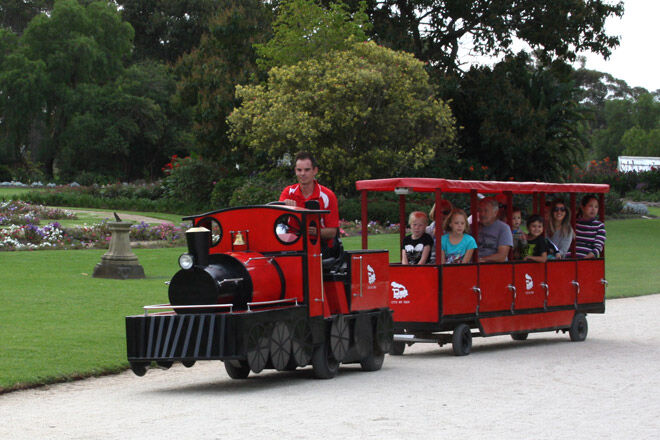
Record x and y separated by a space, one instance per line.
457 246
416 247
536 245
519 241
589 231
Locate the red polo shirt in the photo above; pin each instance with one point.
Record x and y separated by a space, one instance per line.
325 197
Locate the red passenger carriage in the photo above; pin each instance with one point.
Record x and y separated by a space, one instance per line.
451 303
255 292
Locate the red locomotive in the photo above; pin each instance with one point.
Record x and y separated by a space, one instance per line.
445 303
255 291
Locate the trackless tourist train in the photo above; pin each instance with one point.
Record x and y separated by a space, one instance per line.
451 303
256 291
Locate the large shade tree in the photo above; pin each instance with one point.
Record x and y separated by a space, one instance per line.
365 112
434 30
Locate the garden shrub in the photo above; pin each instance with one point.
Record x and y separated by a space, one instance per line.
5 174
190 180
259 189
223 190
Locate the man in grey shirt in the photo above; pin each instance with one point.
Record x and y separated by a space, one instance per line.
495 238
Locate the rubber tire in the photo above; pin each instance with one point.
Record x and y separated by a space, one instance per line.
139 368
237 369
165 365
461 340
373 362
188 364
579 328
397 348
519 336
324 364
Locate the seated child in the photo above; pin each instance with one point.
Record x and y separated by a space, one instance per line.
536 244
457 246
519 241
416 247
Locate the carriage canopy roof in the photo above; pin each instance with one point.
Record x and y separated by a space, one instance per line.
421 184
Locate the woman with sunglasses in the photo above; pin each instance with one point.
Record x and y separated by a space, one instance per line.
559 228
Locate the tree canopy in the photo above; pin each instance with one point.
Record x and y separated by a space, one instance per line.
364 112
434 30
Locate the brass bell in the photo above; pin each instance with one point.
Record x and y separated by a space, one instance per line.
238 241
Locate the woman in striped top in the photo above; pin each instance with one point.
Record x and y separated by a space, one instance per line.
589 231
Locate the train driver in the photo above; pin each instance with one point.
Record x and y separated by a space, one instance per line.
494 239
307 189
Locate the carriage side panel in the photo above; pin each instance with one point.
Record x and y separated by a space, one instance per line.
590 276
561 290
458 294
529 279
414 293
494 282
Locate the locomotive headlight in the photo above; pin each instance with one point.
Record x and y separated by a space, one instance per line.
186 261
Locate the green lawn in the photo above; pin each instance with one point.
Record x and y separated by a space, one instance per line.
13 193
57 322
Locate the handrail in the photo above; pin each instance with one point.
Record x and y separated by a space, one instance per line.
513 289
275 301
170 306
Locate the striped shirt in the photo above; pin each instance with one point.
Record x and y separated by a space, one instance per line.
589 237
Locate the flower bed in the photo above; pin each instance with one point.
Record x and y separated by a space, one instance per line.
352 228
20 230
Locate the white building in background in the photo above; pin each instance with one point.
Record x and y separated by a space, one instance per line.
637 163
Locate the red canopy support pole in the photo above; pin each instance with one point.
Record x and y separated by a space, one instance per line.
535 203
601 213
509 206
542 206
402 219
438 217
364 218
474 209
573 220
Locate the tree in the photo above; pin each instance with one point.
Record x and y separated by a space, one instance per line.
167 29
304 29
365 112
16 14
435 29
517 120
210 73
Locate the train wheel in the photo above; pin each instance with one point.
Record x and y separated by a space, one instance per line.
258 346
324 363
384 331
237 369
363 336
280 346
461 340
188 364
139 368
579 328
397 348
522 336
165 365
373 362
340 338
301 344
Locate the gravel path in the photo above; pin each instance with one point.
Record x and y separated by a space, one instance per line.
547 387
125 217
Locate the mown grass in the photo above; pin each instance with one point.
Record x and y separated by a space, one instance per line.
13 193
57 322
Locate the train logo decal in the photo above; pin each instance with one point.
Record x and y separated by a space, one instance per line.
371 273
399 291
529 284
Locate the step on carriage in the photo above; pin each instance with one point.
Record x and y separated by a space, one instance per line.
453 303
256 291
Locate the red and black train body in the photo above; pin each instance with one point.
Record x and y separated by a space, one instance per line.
257 291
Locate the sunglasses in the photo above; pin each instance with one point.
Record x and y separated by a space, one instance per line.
559 209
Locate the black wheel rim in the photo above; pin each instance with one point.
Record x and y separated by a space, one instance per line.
339 338
280 346
258 348
301 345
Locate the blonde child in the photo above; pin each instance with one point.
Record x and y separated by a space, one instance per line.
457 246
416 247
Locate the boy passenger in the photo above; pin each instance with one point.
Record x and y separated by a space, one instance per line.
416 247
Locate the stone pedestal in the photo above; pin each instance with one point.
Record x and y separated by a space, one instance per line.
119 262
